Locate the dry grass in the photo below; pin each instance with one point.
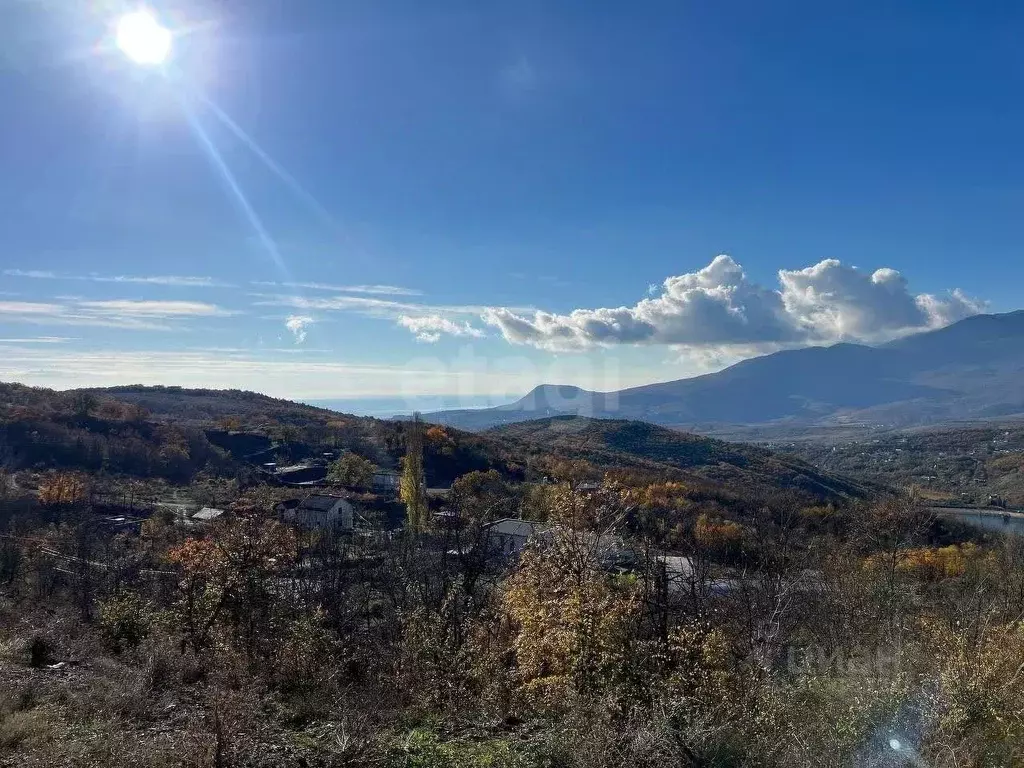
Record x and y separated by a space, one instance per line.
23 729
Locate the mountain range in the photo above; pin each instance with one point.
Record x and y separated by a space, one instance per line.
970 370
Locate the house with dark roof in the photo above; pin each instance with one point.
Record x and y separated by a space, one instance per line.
301 474
320 511
509 536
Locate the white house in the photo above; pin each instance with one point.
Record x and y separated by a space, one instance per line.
321 511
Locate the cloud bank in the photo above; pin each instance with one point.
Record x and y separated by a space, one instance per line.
718 306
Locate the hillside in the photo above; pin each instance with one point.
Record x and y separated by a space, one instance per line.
966 464
202 406
969 370
174 433
616 442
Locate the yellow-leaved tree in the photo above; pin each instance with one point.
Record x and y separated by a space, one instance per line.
63 489
411 485
573 622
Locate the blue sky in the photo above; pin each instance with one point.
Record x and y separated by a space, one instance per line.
474 198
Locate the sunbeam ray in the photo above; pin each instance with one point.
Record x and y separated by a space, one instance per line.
273 165
215 157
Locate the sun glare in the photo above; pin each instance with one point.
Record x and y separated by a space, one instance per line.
143 39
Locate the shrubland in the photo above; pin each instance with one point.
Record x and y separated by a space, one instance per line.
644 625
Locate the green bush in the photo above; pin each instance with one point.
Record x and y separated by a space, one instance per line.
125 621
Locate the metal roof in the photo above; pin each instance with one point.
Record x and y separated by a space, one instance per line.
320 503
510 526
208 513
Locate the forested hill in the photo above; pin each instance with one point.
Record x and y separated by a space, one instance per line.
203 406
175 433
603 441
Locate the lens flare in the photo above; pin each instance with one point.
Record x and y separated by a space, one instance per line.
143 39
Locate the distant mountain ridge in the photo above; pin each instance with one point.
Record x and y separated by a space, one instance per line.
968 370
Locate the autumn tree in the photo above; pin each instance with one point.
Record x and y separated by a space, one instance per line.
720 536
289 433
63 489
411 487
573 472
572 620
229 578
229 423
665 509
439 440
352 471
482 497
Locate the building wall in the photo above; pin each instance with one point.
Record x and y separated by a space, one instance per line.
504 544
386 481
341 515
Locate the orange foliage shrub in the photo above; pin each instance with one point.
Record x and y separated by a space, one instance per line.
718 534
63 489
438 438
933 563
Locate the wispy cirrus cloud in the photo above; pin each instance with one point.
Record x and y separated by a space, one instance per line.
378 290
390 309
427 322
132 314
35 274
163 309
38 340
176 281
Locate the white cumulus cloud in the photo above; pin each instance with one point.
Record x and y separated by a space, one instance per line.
298 324
832 301
720 307
430 328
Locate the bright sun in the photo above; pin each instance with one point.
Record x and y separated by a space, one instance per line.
143 39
